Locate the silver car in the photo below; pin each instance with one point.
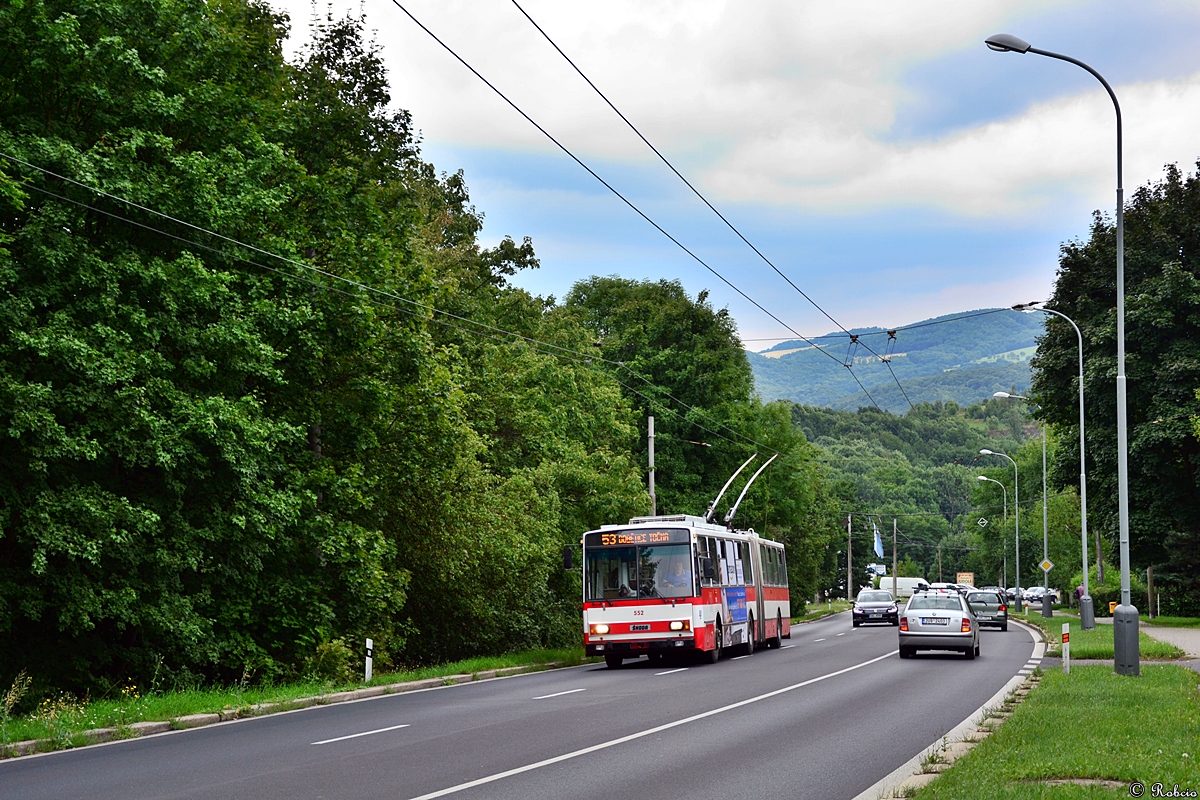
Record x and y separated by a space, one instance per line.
938 621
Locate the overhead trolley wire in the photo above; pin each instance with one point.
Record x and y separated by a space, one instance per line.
613 189
375 295
698 194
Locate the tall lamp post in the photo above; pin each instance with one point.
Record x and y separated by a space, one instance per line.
1087 614
1047 607
1125 619
1004 489
1017 518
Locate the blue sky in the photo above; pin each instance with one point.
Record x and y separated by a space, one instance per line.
877 152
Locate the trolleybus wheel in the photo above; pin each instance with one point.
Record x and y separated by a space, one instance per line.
714 655
612 660
777 640
751 635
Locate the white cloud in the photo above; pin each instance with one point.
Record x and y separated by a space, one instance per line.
1055 152
779 102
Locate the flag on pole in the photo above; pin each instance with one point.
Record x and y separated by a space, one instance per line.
878 540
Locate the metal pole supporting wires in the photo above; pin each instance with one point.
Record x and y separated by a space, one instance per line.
622 197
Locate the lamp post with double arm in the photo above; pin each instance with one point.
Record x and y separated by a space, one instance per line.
1017 518
1087 614
1003 543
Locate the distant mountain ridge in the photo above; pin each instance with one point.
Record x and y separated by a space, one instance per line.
963 357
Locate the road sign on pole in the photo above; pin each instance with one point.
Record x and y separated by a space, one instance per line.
1046 565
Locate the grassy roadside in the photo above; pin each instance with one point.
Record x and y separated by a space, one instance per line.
1097 643
818 610
64 718
1172 622
1075 732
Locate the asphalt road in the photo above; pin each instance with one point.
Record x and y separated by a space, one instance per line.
826 717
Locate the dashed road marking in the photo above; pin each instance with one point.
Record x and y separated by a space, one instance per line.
559 694
356 735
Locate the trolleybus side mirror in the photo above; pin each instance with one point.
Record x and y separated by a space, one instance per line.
706 568
567 551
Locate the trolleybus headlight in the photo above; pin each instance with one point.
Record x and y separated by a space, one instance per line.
600 629
679 625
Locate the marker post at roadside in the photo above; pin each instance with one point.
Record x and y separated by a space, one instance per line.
1066 648
369 662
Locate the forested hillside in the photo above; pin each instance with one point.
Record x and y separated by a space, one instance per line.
961 358
228 460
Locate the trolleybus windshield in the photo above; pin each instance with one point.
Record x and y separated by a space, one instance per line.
619 571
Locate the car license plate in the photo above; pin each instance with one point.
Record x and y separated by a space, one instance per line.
875 615
985 616
934 621
639 627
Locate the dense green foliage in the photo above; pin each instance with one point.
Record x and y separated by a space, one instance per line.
217 462
920 470
222 461
1162 326
680 361
957 358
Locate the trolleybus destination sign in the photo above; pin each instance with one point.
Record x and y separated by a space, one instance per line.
629 538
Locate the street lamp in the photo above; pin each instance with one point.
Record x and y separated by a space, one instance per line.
1125 619
1017 518
1047 608
1003 543
1087 614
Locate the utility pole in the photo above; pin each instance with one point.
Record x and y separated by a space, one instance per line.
893 558
939 562
849 517
653 498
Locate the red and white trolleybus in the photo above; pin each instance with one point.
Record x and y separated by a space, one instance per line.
681 583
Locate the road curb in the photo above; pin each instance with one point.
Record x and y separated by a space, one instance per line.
923 768
137 730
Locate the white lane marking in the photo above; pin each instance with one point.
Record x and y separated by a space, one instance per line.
648 732
843 633
672 671
787 646
819 640
356 735
738 658
559 694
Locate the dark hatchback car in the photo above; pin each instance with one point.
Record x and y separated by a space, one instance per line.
875 605
991 609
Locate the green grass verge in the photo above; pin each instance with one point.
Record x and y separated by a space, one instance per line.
1091 724
62 719
1173 622
818 610
1098 643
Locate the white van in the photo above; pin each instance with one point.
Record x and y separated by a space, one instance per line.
904 586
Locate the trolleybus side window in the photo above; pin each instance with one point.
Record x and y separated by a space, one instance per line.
747 562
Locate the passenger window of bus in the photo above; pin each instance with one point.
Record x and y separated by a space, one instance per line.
783 578
709 551
748 562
